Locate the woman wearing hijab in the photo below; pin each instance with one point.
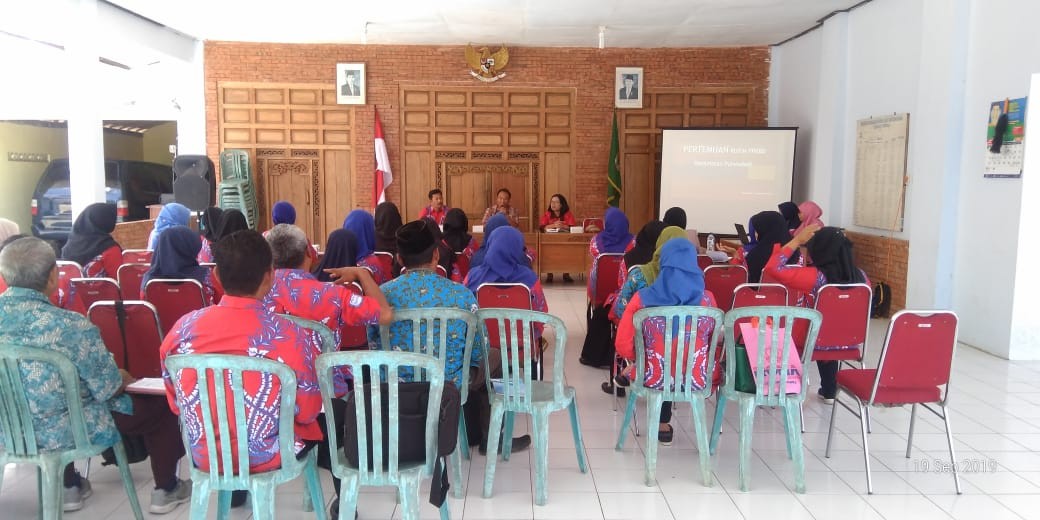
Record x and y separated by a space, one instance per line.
675 217
832 262
231 221
340 251
505 262
361 223
679 281
283 212
7 229
809 214
446 257
615 238
770 230
91 244
496 221
176 256
462 244
172 214
210 221
387 222
642 252
790 212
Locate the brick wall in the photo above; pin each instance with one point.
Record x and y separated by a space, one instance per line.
589 71
884 259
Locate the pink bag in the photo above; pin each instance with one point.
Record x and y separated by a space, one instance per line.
749 332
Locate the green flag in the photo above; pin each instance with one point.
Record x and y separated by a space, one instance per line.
614 169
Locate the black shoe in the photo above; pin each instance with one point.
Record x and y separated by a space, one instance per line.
567 278
549 278
588 363
239 497
665 436
520 443
609 388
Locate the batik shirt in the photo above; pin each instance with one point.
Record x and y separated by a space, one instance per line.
206 253
28 319
425 288
242 326
379 270
633 283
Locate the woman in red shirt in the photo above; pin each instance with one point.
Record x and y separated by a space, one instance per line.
557 218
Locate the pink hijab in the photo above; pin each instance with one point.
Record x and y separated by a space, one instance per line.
810 214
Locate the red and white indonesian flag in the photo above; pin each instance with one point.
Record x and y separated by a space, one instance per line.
383 174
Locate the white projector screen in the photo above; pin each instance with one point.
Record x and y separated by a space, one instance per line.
724 176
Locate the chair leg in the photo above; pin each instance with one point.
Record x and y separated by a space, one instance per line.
700 427
223 503
867 417
787 439
314 491
794 446
507 436
866 448
630 412
949 442
50 477
463 446
408 490
262 496
128 481
910 436
494 433
579 442
830 430
540 432
444 510
801 422
747 423
654 401
348 497
716 426
457 490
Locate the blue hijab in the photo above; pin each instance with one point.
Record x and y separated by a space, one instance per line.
504 262
496 221
172 214
175 256
340 251
361 223
615 236
681 281
283 213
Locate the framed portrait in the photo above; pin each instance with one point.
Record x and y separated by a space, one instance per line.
628 87
350 83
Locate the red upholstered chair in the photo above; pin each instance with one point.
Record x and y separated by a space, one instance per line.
174 298
605 266
722 280
130 277
704 261
90 290
759 294
130 330
68 269
137 256
462 262
353 337
592 225
506 296
914 368
846 318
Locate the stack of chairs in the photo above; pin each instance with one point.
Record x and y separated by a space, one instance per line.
237 189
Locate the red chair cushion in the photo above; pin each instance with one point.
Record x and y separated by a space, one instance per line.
860 382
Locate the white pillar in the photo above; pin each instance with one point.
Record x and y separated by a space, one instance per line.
86 144
191 123
1025 328
828 159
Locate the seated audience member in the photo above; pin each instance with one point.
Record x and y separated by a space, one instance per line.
680 282
641 253
28 319
241 325
615 238
831 254
172 214
647 273
361 223
675 216
494 223
91 244
437 210
176 256
231 221
340 251
388 221
458 239
770 230
506 263
503 207
421 287
8 229
809 214
557 218
447 256
283 212
598 348
209 224
790 212
62 295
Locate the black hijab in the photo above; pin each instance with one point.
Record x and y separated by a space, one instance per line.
646 243
456 230
91 233
210 221
231 220
831 253
388 221
790 212
447 255
340 251
675 217
771 228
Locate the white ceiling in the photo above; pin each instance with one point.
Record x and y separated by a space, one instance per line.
574 23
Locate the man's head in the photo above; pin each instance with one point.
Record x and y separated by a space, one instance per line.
243 264
630 80
351 78
503 197
288 247
417 245
436 197
29 263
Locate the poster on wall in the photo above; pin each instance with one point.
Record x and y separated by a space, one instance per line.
1005 136
350 81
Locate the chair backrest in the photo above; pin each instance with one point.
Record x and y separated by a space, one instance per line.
586 222
704 261
90 290
130 330
758 294
462 263
687 371
605 266
770 388
174 298
69 269
137 256
386 262
502 296
430 329
441 271
16 417
846 314
218 413
328 339
515 328
722 280
918 351
390 366
353 337
130 277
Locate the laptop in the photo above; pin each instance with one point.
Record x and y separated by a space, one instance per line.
742 234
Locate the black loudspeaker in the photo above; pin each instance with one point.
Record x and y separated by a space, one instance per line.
194 181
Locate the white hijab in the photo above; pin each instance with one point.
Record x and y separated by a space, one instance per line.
7 229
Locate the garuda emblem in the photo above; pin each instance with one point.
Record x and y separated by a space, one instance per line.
487 65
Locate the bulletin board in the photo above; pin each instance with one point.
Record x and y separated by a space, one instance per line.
881 146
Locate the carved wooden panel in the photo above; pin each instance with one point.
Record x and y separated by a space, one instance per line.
293 180
475 185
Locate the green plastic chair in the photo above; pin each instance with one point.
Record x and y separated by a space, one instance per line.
767 394
518 393
677 385
19 436
423 337
227 474
388 472
328 340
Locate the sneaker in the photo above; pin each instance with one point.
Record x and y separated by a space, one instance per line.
823 397
609 388
165 501
75 495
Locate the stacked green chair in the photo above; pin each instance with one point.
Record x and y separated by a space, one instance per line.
19 435
237 188
677 385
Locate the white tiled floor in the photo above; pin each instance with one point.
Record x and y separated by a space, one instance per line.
995 416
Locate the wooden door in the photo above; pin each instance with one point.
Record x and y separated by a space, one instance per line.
292 180
469 190
335 192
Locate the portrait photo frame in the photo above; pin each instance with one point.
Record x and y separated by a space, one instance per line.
628 95
350 83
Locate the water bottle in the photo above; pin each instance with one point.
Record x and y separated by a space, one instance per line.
711 242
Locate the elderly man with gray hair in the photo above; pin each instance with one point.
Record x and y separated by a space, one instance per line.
29 320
